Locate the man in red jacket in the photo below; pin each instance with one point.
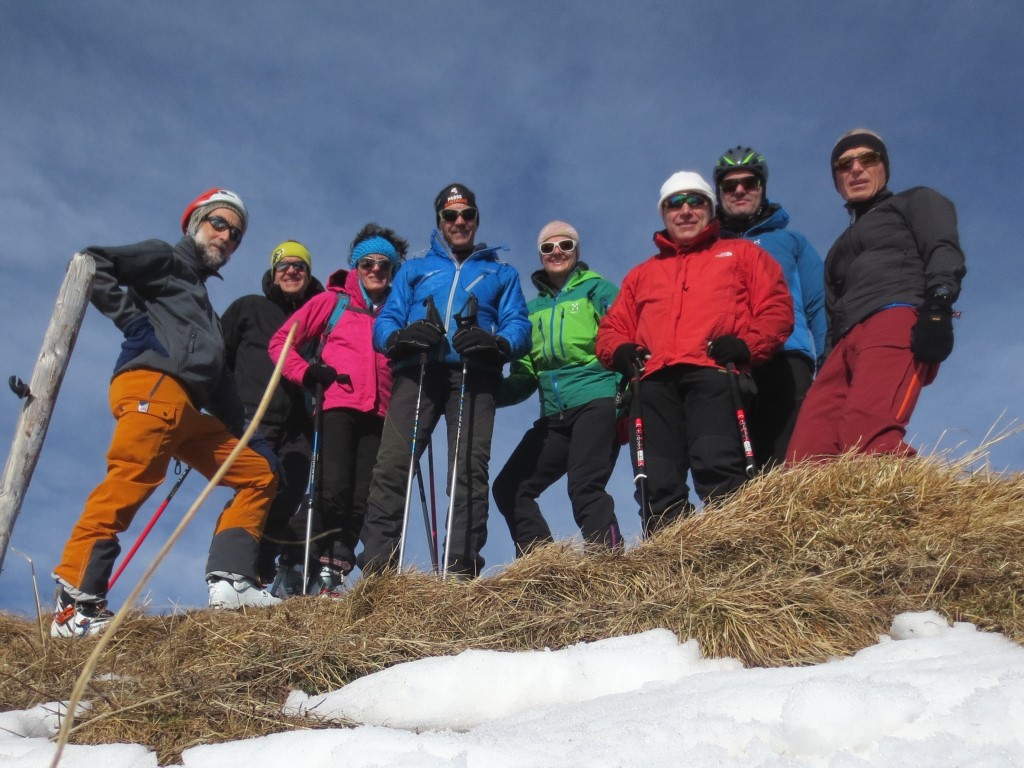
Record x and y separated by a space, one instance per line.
681 317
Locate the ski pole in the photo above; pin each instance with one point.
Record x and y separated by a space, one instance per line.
455 470
433 501
314 464
640 478
464 320
741 419
152 522
431 533
412 461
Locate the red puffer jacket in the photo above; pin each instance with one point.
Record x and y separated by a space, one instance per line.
348 350
674 303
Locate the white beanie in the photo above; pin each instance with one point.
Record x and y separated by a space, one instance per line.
686 181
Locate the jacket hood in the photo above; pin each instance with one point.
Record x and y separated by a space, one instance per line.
667 247
439 247
347 281
580 273
273 292
772 216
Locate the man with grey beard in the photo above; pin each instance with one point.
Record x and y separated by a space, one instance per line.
171 366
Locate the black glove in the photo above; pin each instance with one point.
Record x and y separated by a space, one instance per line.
420 336
319 375
627 358
931 338
729 349
259 444
477 343
138 337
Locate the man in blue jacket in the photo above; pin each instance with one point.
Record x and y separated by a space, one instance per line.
741 181
458 308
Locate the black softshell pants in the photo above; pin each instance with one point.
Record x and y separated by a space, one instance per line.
580 442
348 450
442 383
689 425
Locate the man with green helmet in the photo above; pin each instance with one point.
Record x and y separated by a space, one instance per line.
741 184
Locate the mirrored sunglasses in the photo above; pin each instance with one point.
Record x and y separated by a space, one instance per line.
284 266
219 223
367 263
866 160
565 246
451 215
693 200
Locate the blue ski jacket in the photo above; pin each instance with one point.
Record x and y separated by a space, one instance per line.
438 275
804 273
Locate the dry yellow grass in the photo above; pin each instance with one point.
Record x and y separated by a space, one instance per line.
799 566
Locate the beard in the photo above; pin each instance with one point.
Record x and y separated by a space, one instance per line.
214 255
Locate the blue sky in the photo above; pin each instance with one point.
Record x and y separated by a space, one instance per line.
326 115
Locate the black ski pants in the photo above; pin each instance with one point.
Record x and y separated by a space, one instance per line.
441 395
293 446
580 442
348 449
689 425
782 384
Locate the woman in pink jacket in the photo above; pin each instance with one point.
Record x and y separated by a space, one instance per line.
356 385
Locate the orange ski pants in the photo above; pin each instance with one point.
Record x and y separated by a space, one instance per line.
156 422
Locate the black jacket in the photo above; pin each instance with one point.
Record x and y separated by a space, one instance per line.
898 249
248 324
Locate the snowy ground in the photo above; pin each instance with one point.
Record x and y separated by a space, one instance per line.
926 695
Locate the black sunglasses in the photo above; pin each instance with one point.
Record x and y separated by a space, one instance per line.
689 198
219 223
565 246
747 182
451 215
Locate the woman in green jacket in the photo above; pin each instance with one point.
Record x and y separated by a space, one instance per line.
575 433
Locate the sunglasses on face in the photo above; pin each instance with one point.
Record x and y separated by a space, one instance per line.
219 223
451 215
866 160
565 246
284 266
367 264
747 182
677 201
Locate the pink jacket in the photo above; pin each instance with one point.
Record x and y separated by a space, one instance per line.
348 350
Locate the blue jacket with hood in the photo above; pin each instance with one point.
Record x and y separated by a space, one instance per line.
439 275
804 273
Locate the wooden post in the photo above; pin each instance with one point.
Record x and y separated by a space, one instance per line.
47 376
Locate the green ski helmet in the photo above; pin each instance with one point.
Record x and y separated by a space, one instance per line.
741 159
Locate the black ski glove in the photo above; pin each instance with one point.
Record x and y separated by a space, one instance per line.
319 375
628 358
139 336
729 349
477 343
420 336
931 338
259 444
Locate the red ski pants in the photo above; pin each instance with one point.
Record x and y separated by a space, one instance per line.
865 392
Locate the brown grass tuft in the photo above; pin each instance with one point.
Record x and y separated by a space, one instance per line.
799 566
